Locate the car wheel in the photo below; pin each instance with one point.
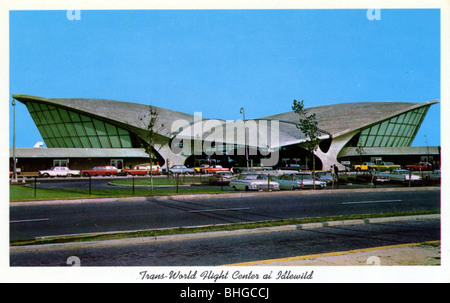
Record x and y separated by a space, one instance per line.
45 175
85 174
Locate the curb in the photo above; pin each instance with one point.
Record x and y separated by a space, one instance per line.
204 235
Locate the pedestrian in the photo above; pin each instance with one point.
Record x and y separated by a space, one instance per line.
336 172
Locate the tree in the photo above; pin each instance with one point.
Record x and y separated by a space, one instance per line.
150 119
360 150
308 125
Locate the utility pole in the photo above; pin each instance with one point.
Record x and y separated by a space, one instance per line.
245 134
14 179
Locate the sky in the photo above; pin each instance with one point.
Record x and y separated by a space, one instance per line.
217 61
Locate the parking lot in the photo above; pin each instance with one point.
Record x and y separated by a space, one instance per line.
287 181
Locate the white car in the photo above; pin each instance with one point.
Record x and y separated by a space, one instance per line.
59 172
180 169
299 181
249 181
403 175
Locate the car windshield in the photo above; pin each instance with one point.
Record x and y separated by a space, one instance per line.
254 177
401 172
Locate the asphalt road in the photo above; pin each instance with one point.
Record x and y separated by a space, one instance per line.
28 222
224 250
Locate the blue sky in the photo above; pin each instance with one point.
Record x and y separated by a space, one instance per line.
217 61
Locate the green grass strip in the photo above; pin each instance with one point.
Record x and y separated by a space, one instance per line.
211 228
20 193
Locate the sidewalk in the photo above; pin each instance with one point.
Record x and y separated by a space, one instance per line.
420 254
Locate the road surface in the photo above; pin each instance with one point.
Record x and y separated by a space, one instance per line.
225 250
28 222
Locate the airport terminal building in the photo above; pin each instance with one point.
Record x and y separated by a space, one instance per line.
82 133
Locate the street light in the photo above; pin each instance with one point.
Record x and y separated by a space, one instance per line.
245 136
13 103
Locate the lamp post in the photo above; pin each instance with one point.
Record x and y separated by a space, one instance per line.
245 136
14 176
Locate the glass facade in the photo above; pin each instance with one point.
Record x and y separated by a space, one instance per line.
68 129
398 131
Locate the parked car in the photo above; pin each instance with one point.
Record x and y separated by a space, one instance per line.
364 166
258 167
378 177
298 181
140 170
253 181
403 176
100 171
384 166
434 177
213 168
59 171
198 169
221 177
180 169
324 176
420 166
293 166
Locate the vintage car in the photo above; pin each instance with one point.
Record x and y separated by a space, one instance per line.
198 169
385 166
59 171
433 177
364 166
221 177
298 181
180 169
100 171
140 170
403 176
259 167
374 177
293 166
253 181
420 166
213 168
325 176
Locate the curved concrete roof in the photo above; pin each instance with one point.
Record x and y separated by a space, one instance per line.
334 120
337 119
127 114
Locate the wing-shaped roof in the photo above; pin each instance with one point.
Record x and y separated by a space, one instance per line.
336 119
118 112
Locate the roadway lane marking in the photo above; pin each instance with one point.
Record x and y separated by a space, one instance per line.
367 202
29 220
219 209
